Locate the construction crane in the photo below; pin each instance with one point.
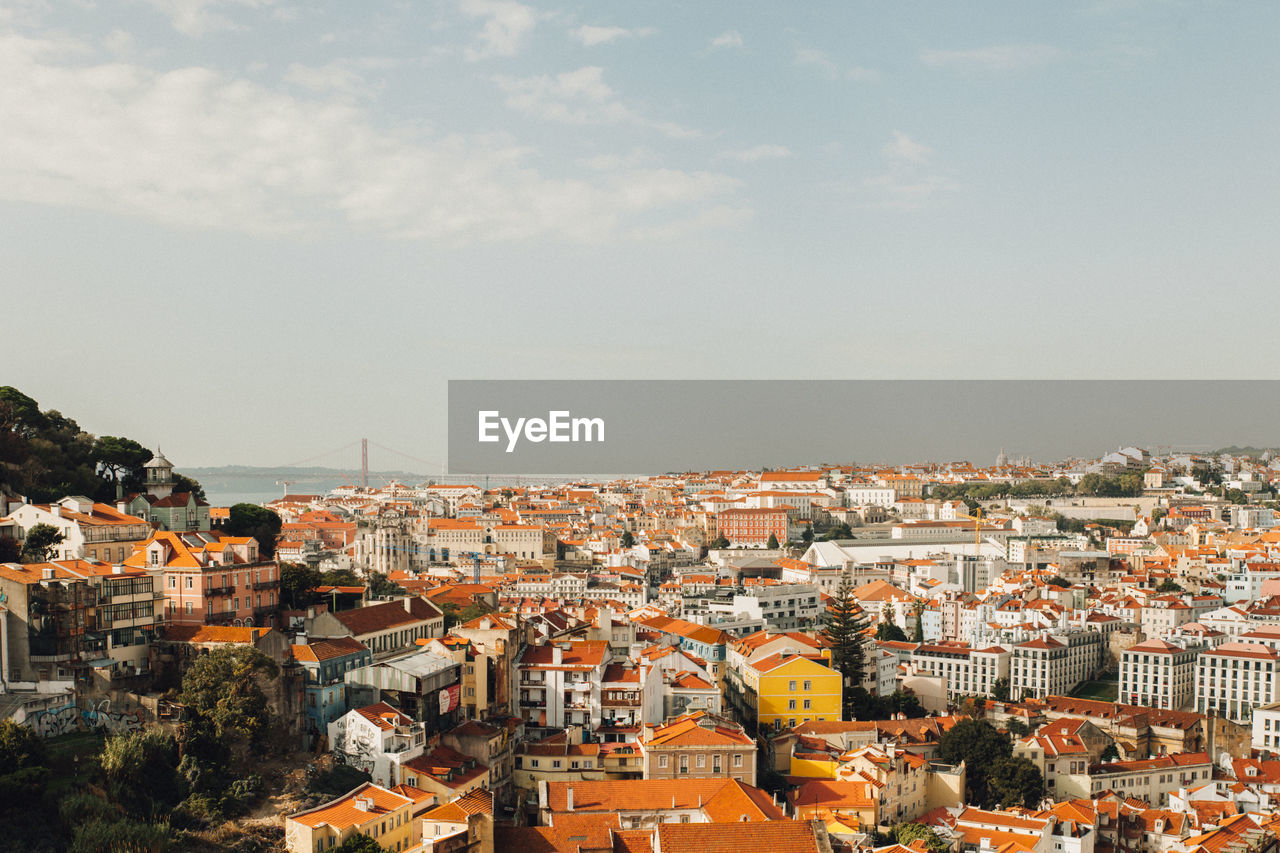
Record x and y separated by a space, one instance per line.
286 484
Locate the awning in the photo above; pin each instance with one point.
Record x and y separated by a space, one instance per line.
103 663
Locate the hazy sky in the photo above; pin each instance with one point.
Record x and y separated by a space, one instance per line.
251 231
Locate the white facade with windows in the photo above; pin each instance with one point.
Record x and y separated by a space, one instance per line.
1235 678
1159 674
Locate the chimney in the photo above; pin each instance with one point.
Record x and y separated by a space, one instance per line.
120 507
56 510
47 574
408 605
568 799
556 653
254 634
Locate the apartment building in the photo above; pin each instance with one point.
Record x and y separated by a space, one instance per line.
968 671
560 684
699 746
1160 674
212 579
1235 678
67 617
1055 662
388 816
1151 779
751 528
90 530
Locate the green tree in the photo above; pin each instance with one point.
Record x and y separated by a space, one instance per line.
10 550
905 833
806 535
628 540
23 766
1000 689
890 631
222 687
1169 585
257 521
918 611
772 544
119 457
843 635
39 542
141 772
1110 753
720 542
359 844
381 585
979 745
296 584
340 577
840 531
183 483
1015 782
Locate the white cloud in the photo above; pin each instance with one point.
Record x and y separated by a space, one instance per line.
908 181
196 17
1002 57
578 97
192 147
335 77
506 23
904 149
756 153
730 38
831 69
592 36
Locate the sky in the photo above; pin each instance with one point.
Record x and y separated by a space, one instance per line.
252 231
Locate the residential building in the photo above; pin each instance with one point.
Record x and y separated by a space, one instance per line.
968 671
560 684
1151 779
1054 663
752 528
90 530
386 629
377 740
699 746
1234 678
422 684
785 690
1160 674
388 816
212 579
325 664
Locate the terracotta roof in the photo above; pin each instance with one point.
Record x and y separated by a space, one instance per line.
322 650
792 836
381 617
212 634
723 800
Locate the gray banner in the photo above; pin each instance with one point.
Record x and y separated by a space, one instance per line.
602 427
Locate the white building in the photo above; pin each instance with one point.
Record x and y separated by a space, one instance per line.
1054 663
1235 678
377 739
968 672
1159 674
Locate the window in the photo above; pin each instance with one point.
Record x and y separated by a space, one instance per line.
791 686
791 704
188 608
808 685
701 760
806 704
737 759
662 761
555 765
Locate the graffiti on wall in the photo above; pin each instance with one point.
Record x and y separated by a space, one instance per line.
51 722
100 718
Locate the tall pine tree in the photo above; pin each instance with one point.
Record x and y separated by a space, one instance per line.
843 633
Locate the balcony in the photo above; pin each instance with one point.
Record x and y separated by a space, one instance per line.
267 585
219 590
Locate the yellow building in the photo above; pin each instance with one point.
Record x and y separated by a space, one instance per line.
791 689
385 815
